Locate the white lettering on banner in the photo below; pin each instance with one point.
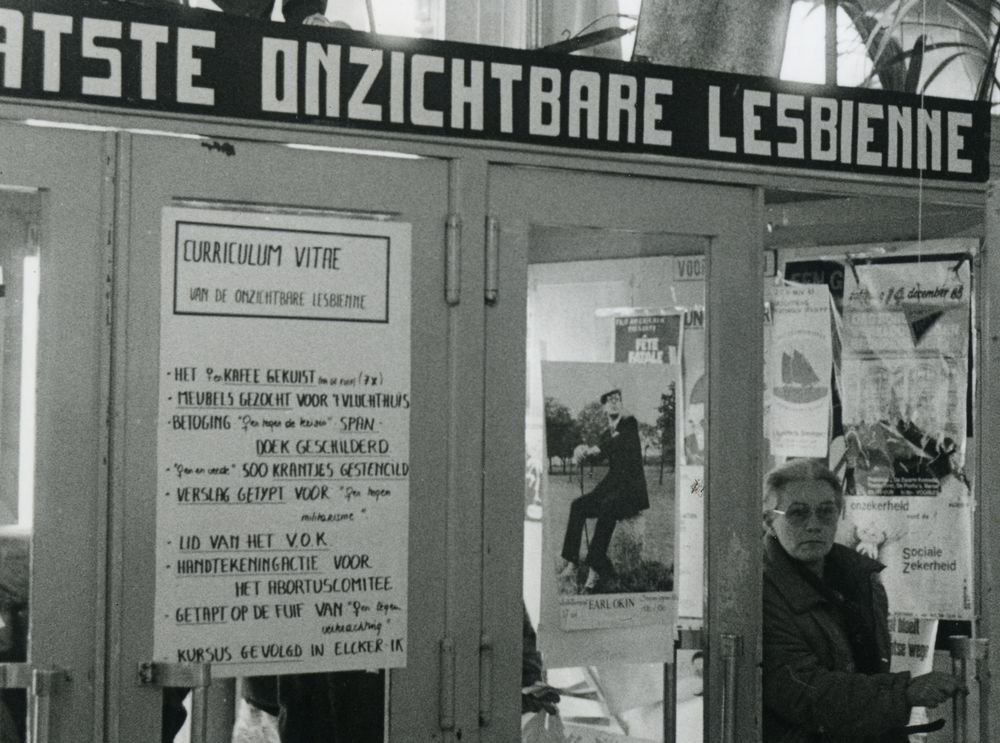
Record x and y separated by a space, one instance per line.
797 147
752 100
621 101
447 88
466 94
52 27
832 131
543 110
322 60
507 75
584 98
356 106
956 120
397 92
421 66
866 135
189 66
148 36
900 125
846 133
823 119
12 46
653 112
94 29
716 140
928 122
279 55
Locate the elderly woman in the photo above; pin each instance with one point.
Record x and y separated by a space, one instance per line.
826 637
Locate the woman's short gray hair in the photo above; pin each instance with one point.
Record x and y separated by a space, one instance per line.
798 470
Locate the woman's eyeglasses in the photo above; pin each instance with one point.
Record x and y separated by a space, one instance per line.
798 514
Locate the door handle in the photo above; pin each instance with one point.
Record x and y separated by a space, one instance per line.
963 650
485 680
729 650
15 675
41 683
194 676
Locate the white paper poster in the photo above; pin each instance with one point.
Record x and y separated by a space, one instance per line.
798 367
912 649
926 546
694 401
691 541
610 520
912 643
905 366
692 446
901 458
283 442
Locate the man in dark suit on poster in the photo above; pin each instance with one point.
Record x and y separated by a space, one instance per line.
620 494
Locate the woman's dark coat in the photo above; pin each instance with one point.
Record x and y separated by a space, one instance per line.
812 692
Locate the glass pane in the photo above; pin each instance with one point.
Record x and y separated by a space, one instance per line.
335 707
19 285
869 385
420 18
612 530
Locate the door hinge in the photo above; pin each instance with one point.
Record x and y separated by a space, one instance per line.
453 260
492 279
446 703
485 680
171 675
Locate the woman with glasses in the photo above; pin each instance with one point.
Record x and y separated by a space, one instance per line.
826 671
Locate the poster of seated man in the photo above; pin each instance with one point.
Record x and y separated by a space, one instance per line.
609 505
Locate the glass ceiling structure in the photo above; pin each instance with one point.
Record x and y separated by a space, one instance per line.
935 47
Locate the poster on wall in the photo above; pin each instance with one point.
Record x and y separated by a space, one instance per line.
798 359
648 338
608 539
694 382
651 337
3 351
912 649
691 541
283 442
902 454
691 448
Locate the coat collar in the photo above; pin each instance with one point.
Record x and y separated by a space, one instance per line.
782 574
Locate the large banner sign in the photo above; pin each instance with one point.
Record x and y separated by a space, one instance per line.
901 456
200 62
283 443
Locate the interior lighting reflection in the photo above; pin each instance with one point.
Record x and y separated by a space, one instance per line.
49 124
355 151
29 369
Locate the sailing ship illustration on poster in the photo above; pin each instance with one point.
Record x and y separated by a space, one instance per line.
799 381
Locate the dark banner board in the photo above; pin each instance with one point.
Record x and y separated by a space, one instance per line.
188 61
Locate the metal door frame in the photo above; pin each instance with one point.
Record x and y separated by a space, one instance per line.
468 168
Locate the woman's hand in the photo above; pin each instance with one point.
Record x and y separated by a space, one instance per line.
930 689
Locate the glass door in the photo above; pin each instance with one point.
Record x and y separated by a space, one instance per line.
616 453
282 345
877 312
53 347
